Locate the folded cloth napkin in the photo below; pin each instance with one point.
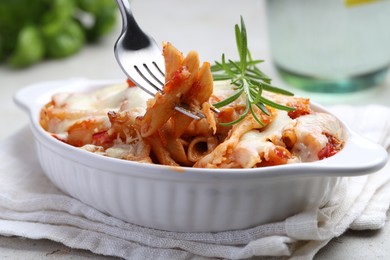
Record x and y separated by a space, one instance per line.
32 207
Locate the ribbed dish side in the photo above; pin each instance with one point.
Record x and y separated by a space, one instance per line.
184 206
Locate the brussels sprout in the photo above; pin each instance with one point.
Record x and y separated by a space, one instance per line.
29 47
61 11
67 41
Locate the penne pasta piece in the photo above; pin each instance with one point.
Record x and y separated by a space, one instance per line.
197 148
173 60
210 118
177 150
199 93
202 89
163 107
200 146
159 151
198 128
180 124
289 137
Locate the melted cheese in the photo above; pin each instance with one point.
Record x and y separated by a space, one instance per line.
94 106
223 89
257 143
310 130
108 98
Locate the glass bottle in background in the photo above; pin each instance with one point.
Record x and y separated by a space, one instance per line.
332 46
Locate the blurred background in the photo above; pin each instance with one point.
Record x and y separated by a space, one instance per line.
43 40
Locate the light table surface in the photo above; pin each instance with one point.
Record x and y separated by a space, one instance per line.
205 26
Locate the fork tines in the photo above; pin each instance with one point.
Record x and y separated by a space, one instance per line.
157 81
155 72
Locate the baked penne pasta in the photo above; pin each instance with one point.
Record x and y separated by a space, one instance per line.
121 121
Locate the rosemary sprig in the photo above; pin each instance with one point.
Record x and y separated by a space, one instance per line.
248 80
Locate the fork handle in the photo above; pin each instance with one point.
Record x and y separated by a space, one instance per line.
134 37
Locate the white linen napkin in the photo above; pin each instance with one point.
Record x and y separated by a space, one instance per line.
32 207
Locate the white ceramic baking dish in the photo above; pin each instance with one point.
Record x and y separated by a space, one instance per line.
188 199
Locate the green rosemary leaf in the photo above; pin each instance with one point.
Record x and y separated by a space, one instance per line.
237 83
226 67
270 88
244 46
247 80
221 77
277 90
254 62
255 116
238 39
228 100
217 67
263 108
275 105
255 77
256 94
240 118
256 73
235 121
233 65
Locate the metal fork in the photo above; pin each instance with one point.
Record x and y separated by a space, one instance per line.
140 58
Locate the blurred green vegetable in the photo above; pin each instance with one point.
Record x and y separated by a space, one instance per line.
67 40
29 48
105 16
32 30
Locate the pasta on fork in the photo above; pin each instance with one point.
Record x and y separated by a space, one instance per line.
121 122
